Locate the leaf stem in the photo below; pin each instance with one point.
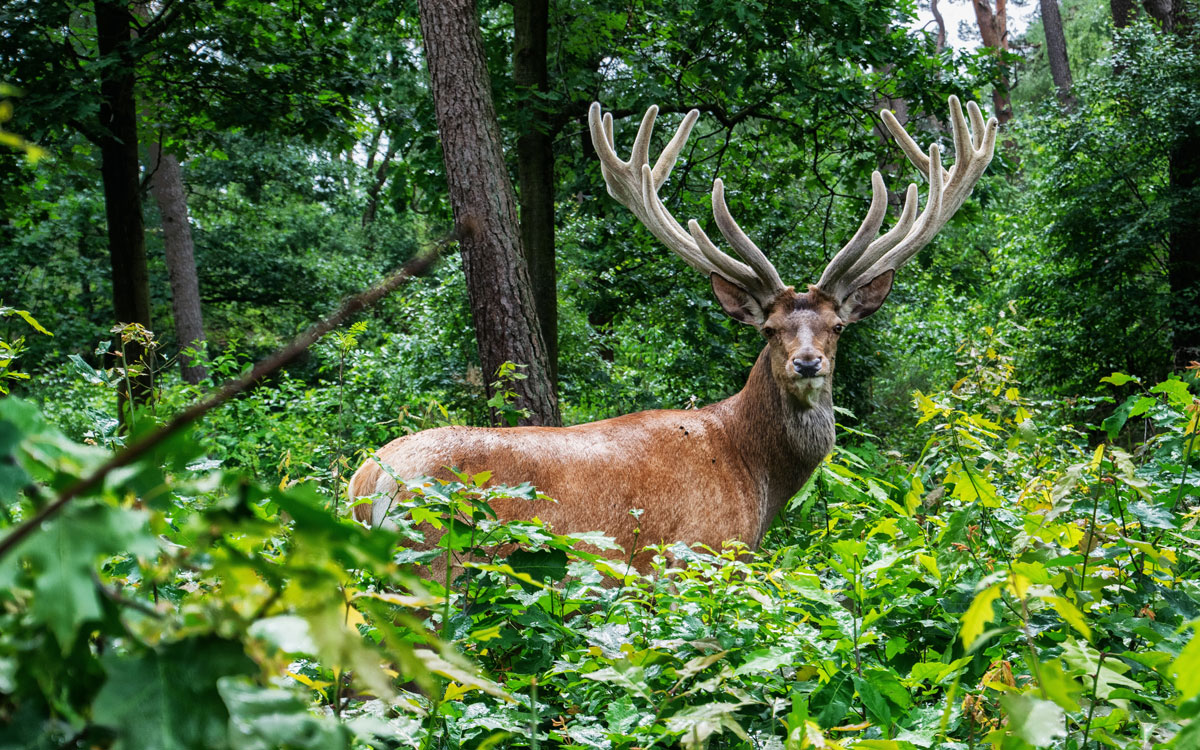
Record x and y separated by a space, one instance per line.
1087 728
1187 458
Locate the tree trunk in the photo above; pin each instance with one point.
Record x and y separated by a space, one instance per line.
941 25
535 168
1183 266
485 211
166 185
993 29
1056 52
1122 12
1183 169
380 179
1164 11
119 169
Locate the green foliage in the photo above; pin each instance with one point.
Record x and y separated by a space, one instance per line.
1012 584
12 347
1013 565
1100 195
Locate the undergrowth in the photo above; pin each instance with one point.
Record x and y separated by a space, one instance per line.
1021 582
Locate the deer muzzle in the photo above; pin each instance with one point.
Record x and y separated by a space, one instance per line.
808 367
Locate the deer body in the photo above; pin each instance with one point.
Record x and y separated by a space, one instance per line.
722 472
699 476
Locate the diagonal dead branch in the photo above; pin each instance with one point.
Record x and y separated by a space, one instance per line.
261 370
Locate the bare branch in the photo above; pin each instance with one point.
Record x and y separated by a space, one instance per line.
146 443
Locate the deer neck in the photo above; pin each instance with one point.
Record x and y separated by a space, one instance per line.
780 438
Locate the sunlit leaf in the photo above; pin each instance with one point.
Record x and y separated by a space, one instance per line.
979 614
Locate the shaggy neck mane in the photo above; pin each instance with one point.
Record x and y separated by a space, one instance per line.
778 438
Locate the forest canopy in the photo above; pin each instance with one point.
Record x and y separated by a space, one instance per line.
999 550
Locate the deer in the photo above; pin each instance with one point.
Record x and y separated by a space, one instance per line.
723 472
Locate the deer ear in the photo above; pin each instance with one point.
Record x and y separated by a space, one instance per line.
736 301
867 298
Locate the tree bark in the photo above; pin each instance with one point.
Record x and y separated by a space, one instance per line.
166 185
380 179
1122 12
535 168
506 325
1183 172
941 25
1164 11
1183 264
993 29
1056 52
120 174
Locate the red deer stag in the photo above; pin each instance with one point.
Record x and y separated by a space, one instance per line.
722 472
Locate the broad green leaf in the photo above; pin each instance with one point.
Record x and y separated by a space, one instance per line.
696 724
624 675
462 672
926 406
1071 614
1119 378
1113 423
936 671
64 555
877 707
1151 515
1142 406
270 718
767 660
1176 390
24 315
167 699
834 699
540 564
971 485
1034 720
929 563
895 645
1058 685
979 614
1085 662
697 665
914 496
1186 669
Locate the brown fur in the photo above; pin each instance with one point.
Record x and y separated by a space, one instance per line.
706 476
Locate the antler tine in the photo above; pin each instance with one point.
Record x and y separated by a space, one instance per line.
635 185
663 225
974 145
734 270
932 219
744 246
880 247
853 249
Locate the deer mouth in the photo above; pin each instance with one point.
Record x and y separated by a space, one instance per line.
805 387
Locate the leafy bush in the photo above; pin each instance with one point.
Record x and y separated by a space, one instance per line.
1014 583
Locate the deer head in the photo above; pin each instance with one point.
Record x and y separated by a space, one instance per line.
801 329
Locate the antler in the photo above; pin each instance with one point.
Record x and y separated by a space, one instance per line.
635 185
862 259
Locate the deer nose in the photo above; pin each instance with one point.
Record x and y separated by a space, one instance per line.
807 368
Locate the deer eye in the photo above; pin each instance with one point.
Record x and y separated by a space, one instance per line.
839 328
768 331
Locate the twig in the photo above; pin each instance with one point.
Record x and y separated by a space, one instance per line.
124 601
145 444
